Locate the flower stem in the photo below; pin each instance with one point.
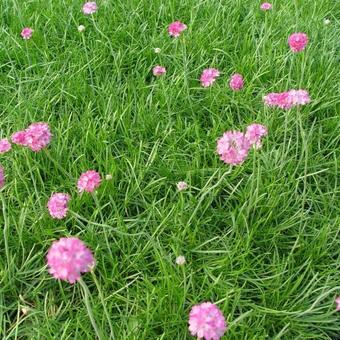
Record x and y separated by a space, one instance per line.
86 295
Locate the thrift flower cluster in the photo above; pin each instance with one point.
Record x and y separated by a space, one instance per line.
68 258
207 321
36 137
287 100
57 205
233 147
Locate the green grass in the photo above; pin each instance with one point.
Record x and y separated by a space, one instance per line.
261 240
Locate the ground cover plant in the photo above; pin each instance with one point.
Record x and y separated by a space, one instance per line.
169 169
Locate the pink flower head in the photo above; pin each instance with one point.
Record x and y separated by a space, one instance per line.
176 28
209 76
299 97
26 33
337 301
19 137
298 41
89 7
282 100
207 322
254 134
57 205
158 70
233 147
182 186
88 181
2 177
266 6
68 257
5 145
37 136
288 99
236 82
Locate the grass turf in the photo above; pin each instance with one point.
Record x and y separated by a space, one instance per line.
261 240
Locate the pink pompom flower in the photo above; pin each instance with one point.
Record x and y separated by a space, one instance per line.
298 42
176 28
206 321
233 147
158 70
26 33
68 258
57 205
209 76
337 301
266 6
288 99
89 7
236 82
5 145
254 134
2 177
89 181
37 136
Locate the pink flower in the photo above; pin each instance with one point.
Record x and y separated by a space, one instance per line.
233 147
67 258
19 138
182 186
2 177
90 7
298 41
337 301
5 145
254 134
236 82
37 136
57 205
26 33
88 181
266 6
207 322
299 97
176 28
288 99
158 70
209 76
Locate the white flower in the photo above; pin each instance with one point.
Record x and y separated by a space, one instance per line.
180 260
81 28
157 50
182 186
326 21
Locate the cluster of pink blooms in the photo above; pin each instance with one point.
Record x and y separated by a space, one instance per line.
89 181
236 82
26 33
266 6
68 258
57 205
233 147
298 41
176 28
181 186
158 70
89 7
288 99
2 177
207 322
5 145
36 137
209 76
337 301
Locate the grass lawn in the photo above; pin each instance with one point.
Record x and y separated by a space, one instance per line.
261 240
